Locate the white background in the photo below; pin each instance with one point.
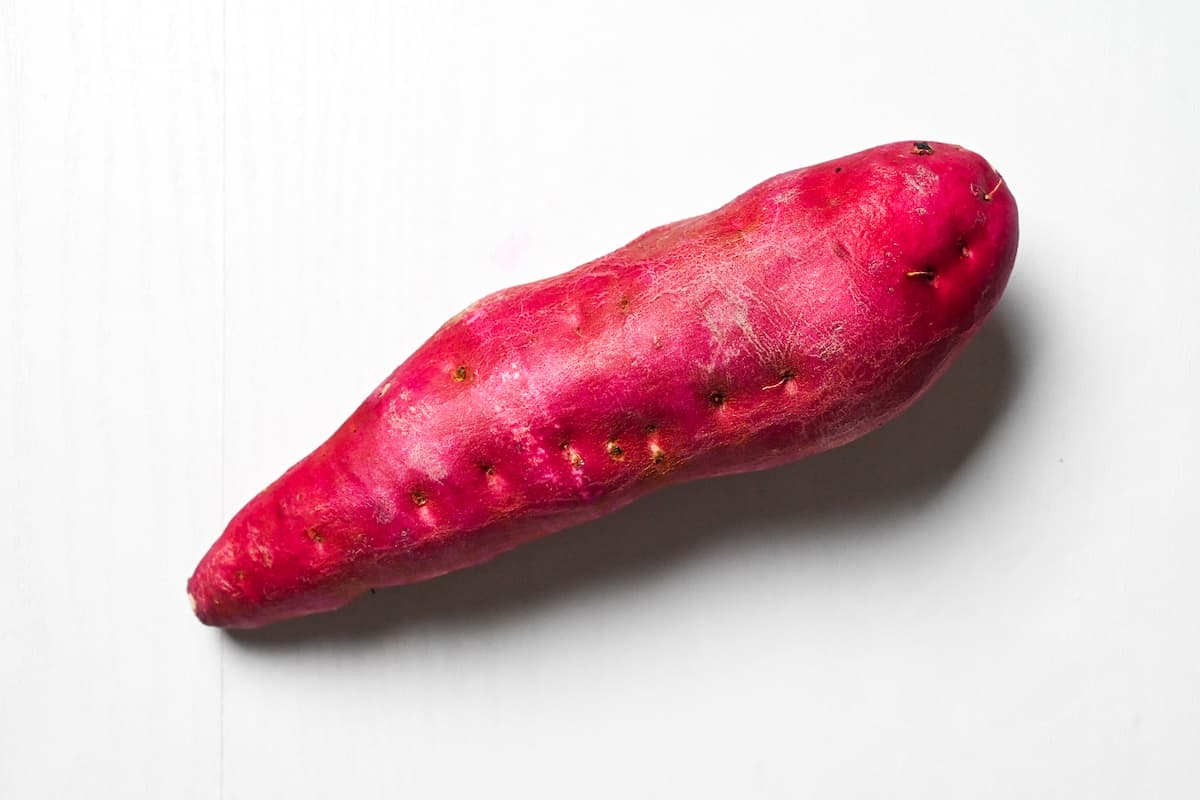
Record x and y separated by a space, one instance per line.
221 224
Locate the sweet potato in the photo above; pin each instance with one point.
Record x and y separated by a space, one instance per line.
801 315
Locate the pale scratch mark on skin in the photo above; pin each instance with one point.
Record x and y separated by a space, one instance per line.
429 458
773 344
860 301
922 181
775 220
594 271
726 311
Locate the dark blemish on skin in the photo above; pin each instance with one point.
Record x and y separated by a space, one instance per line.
418 497
488 469
837 169
372 591
573 456
460 373
624 304
652 428
657 454
717 398
240 575
922 148
615 451
840 251
926 275
963 250
315 535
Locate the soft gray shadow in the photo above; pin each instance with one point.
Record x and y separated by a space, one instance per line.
899 467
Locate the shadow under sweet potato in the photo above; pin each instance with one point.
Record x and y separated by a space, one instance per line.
901 466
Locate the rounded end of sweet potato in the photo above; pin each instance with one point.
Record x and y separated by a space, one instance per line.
218 599
256 573
931 233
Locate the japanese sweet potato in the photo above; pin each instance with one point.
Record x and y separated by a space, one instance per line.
804 313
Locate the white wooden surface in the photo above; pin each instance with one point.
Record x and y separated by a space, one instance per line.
222 223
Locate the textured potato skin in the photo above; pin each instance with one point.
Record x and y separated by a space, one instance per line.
804 313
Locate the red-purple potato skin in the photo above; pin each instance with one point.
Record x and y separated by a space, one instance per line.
803 314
